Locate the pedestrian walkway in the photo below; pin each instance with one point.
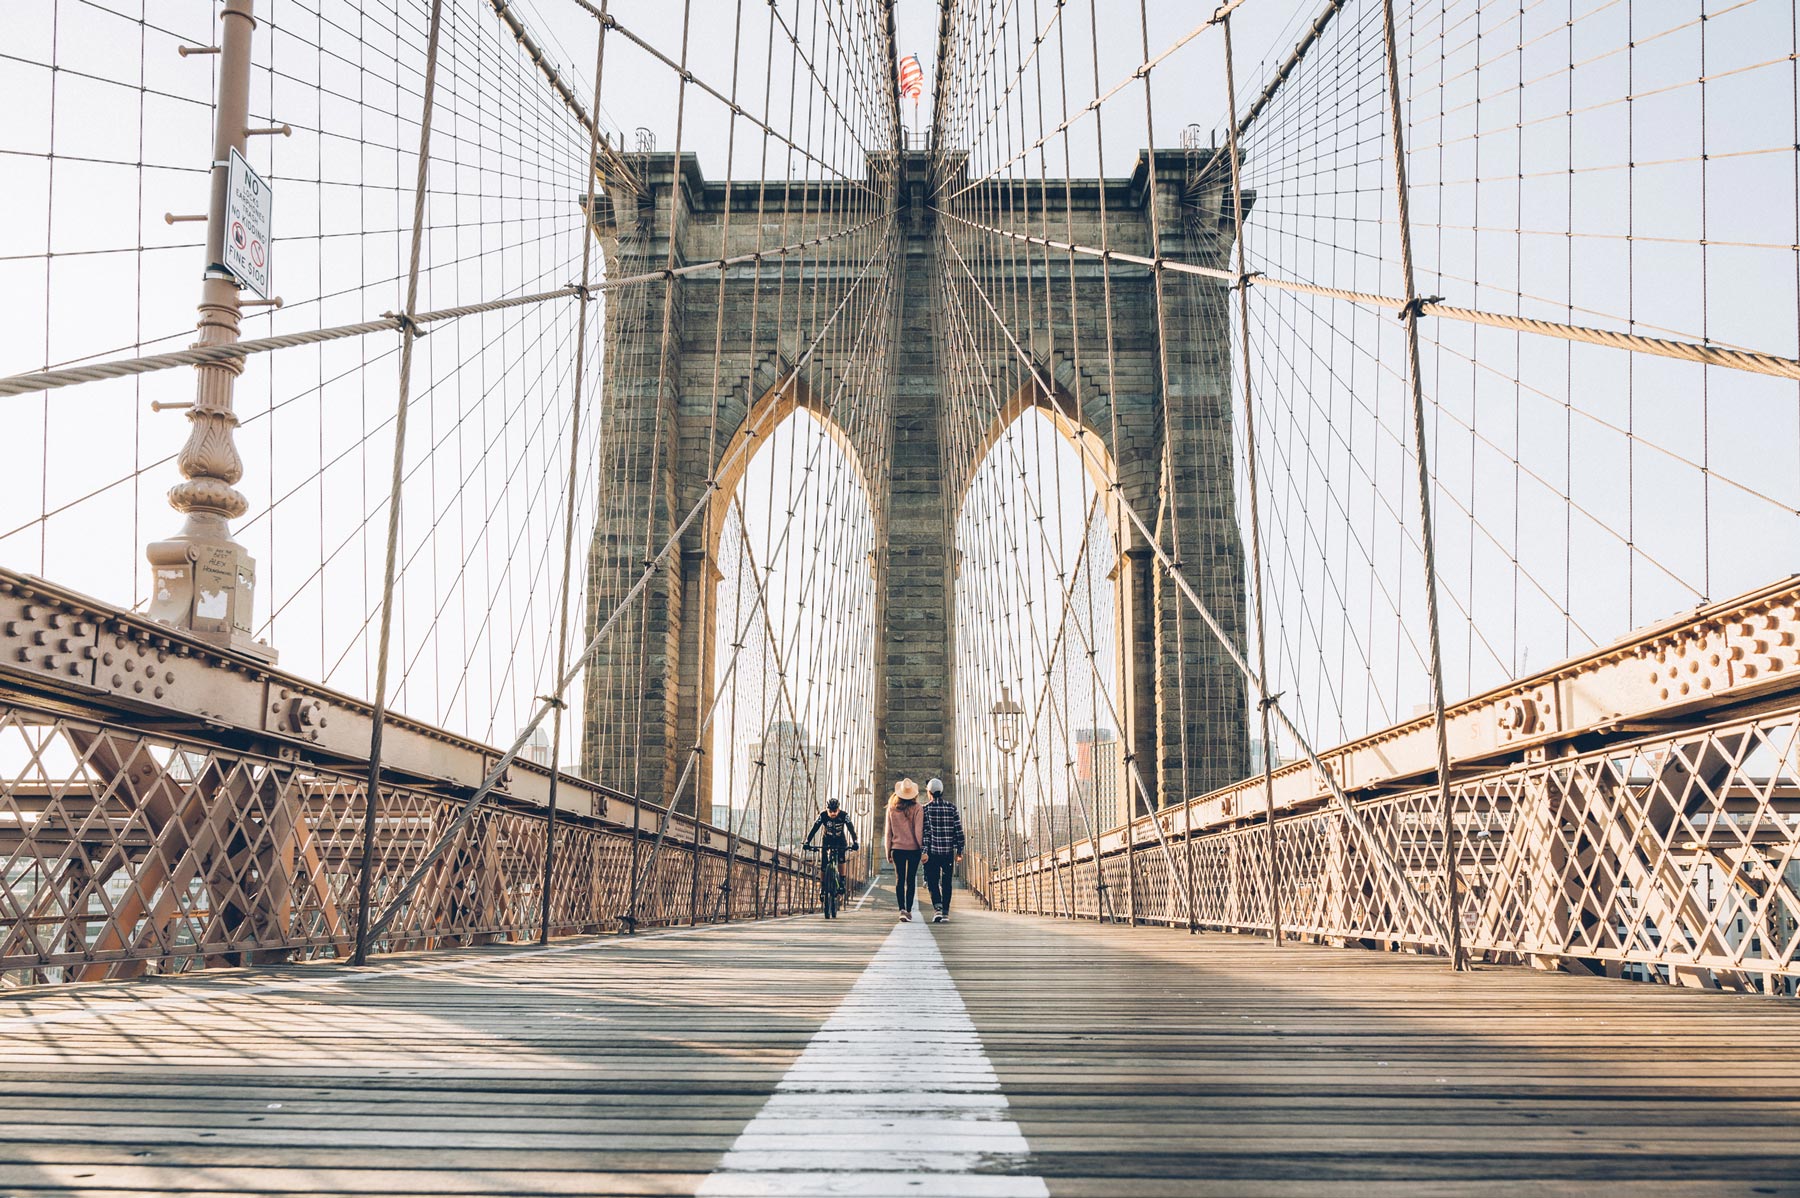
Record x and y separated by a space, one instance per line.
775 1058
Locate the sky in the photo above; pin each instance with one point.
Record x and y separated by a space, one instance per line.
1581 492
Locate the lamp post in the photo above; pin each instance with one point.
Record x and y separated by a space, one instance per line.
861 804
1009 725
203 581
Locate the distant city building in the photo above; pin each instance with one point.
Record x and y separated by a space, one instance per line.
741 820
1097 795
1099 782
1050 826
791 772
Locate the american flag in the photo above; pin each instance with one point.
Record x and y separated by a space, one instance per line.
912 78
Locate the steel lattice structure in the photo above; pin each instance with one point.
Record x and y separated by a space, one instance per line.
1367 519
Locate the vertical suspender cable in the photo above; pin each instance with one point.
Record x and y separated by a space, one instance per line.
1168 467
656 437
562 630
1256 535
408 336
1410 315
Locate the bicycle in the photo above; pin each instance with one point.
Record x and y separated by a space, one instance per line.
831 877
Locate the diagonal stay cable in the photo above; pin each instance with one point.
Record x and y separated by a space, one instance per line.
643 872
26 384
548 703
1749 361
1136 775
1377 850
1093 105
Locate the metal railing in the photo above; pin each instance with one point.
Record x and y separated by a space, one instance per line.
1672 858
126 851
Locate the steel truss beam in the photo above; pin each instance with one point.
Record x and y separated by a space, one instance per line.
1634 811
183 805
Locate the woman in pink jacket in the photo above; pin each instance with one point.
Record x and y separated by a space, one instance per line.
905 822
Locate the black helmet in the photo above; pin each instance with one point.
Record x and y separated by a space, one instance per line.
832 804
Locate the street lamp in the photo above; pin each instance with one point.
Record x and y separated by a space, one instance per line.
1009 725
861 805
1009 721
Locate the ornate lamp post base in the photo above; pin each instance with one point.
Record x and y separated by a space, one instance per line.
205 583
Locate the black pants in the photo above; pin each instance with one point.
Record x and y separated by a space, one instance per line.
939 878
836 852
906 876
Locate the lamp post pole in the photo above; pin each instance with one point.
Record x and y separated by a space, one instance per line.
201 580
862 804
1009 722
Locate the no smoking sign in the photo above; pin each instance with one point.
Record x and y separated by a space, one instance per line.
248 199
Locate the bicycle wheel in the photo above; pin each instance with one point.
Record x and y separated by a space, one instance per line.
830 895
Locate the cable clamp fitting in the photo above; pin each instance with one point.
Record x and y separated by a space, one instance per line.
554 701
1414 308
1243 280
404 323
1268 701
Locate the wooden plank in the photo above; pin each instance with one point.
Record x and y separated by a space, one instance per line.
1142 1062
1147 1059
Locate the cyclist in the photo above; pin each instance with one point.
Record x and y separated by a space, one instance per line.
839 835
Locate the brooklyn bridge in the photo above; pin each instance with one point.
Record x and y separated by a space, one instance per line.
1315 486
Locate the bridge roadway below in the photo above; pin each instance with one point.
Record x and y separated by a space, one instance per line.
991 1056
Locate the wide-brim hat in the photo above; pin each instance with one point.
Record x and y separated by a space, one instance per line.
906 788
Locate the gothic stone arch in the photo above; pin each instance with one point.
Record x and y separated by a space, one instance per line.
657 427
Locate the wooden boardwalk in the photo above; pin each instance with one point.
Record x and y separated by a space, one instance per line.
1127 1062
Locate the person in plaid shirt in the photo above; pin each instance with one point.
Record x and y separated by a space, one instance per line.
941 836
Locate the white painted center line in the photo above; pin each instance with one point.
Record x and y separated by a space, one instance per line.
893 1095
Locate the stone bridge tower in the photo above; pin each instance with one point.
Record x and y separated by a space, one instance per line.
658 435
